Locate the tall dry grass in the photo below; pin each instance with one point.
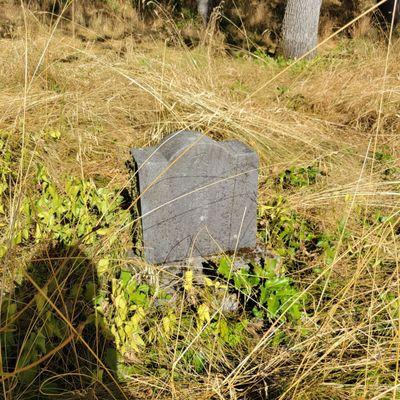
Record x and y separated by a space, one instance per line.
336 112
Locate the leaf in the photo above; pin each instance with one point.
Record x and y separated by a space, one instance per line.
28 355
102 266
125 277
271 264
122 306
139 299
208 282
131 327
294 312
99 299
136 342
41 174
273 305
219 285
169 323
99 374
25 234
264 294
131 287
28 376
119 322
103 231
224 267
17 239
52 191
144 288
38 233
188 281
122 334
54 327
54 133
3 250
41 342
242 280
139 315
258 313
40 301
204 313
11 309
223 330
198 362
50 389
75 290
90 291
111 358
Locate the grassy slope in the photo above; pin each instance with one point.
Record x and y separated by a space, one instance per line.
105 98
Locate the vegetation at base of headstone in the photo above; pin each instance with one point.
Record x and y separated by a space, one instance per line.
266 290
147 322
294 237
73 222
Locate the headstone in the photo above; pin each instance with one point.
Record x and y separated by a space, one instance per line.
197 196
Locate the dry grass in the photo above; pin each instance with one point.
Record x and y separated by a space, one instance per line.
108 97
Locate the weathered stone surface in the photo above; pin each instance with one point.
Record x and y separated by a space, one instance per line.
197 196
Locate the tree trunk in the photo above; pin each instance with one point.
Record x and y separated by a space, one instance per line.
300 27
204 9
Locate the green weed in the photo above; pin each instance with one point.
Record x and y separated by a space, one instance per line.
299 177
272 295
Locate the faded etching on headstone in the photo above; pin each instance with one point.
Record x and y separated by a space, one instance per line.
198 197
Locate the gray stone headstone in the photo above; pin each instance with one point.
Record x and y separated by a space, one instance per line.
197 196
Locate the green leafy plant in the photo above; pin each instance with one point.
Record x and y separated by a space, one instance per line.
76 213
7 176
131 301
388 165
80 212
32 328
284 229
273 294
291 235
298 177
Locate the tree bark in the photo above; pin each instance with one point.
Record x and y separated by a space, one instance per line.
204 9
300 27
